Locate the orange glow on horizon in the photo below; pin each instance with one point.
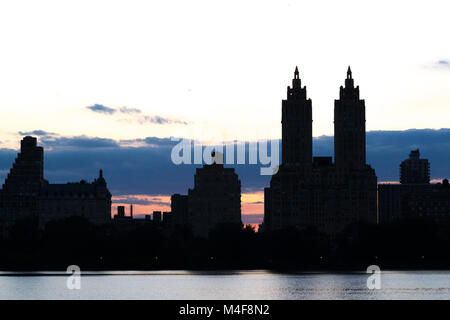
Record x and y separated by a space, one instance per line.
251 203
142 203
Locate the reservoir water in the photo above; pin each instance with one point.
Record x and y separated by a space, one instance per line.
257 284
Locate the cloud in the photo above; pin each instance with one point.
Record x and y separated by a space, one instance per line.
36 133
252 218
140 200
148 169
78 142
6 160
159 120
441 64
101 109
129 110
152 142
134 115
159 142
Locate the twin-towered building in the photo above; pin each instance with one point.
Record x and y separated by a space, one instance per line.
314 191
306 190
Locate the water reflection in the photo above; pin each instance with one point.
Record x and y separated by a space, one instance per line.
256 284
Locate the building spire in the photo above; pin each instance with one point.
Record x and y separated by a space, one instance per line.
296 82
100 180
349 80
296 91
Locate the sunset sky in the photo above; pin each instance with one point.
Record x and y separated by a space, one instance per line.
122 71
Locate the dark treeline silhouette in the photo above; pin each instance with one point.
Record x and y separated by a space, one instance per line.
420 244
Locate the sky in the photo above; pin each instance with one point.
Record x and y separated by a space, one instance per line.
217 69
118 72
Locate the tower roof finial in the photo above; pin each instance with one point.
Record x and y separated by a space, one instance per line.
296 74
349 73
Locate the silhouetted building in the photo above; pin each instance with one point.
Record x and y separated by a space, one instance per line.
309 191
349 128
214 200
399 202
167 219
129 223
121 216
19 197
296 119
157 216
179 206
414 197
415 170
26 194
90 200
431 202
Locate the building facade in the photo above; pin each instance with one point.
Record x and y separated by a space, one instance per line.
26 194
214 200
399 202
314 191
415 170
414 197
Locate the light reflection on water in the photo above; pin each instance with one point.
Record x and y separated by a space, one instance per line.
224 285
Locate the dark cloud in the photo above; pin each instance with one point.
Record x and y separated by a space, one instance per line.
148 169
152 142
6 159
252 218
101 109
36 133
386 149
159 142
141 201
79 142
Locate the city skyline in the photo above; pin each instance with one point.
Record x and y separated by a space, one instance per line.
102 80
252 199
322 206
146 202
227 159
